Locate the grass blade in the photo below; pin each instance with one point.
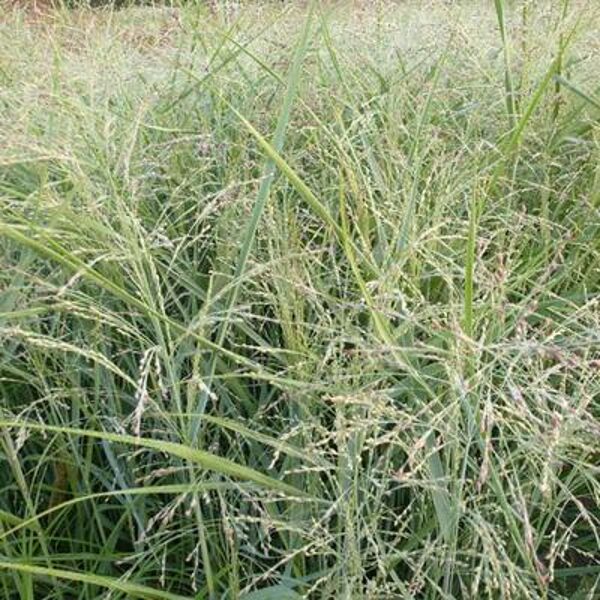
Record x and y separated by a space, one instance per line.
198 457
133 590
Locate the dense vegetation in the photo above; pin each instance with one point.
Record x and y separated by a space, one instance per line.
300 304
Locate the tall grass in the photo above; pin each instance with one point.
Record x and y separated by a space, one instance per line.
300 302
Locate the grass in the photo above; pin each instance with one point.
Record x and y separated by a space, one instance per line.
300 301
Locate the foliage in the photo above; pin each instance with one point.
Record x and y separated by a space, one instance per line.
300 304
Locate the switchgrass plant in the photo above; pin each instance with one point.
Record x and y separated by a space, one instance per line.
300 301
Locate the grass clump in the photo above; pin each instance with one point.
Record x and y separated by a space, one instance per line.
300 302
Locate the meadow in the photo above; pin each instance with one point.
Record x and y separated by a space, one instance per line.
300 300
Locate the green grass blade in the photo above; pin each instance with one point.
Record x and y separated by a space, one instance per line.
183 488
509 86
199 457
55 252
133 590
259 206
578 91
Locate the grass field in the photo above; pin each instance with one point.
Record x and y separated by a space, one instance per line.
300 303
